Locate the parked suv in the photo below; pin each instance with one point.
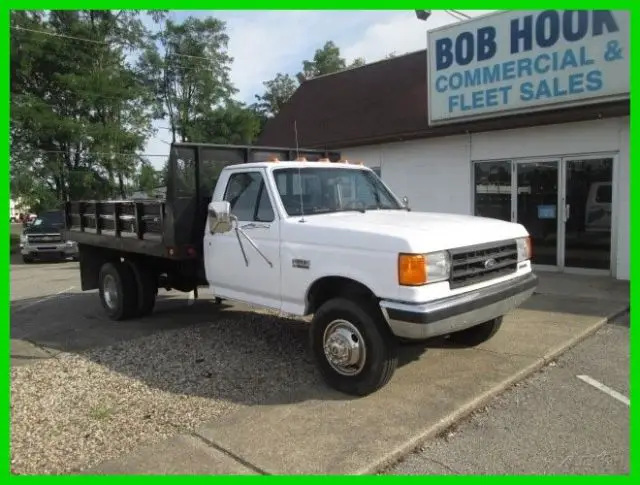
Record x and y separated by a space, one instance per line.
44 239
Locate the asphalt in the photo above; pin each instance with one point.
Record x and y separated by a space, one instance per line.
552 423
314 429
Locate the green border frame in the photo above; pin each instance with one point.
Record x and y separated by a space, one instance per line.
293 5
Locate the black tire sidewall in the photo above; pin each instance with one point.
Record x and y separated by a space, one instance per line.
380 345
146 288
127 291
478 334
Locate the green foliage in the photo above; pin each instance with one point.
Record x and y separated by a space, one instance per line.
148 178
277 93
87 84
326 60
78 110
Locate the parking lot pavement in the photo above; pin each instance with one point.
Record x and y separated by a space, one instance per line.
90 390
553 423
50 313
79 379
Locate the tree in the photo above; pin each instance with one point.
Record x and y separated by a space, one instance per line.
79 111
148 178
232 124
277 93
327 60
190 74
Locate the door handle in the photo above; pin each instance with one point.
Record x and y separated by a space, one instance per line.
253 225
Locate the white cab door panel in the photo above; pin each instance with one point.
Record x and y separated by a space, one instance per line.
235 270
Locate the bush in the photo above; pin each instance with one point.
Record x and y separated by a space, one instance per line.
15 243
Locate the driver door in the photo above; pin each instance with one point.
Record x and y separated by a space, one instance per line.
235 270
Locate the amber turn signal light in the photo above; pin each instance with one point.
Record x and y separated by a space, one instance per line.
412 270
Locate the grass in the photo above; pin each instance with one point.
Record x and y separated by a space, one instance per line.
100 412
15 243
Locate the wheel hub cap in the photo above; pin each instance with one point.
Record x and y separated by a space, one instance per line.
344 347
110 291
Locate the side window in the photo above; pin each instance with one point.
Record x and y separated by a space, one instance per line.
248 197
603 195
265 211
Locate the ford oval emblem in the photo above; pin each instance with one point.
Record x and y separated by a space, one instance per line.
490 263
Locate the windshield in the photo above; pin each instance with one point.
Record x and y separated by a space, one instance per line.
50 219
323 190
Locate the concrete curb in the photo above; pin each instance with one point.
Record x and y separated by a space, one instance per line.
400 452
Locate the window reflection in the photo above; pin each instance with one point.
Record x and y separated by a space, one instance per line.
493 189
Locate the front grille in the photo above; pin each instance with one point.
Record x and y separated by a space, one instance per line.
469 264
44 238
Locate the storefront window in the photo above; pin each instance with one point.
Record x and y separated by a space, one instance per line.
492 195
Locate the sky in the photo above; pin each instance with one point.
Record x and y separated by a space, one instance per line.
264 43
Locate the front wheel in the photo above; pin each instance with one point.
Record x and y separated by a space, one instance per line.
478 334
354 349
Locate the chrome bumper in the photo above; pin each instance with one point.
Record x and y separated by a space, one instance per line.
459 312
43 249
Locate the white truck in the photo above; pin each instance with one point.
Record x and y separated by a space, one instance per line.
314 238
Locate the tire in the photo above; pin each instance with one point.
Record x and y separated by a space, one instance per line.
146 287
123 303
381 358
477 335
27 259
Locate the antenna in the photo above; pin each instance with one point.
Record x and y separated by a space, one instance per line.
295 131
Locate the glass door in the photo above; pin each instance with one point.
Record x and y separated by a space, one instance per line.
535 206
587 212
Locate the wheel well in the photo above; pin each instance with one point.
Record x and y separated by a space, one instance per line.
329 287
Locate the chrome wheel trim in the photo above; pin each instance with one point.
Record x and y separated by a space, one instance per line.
344 348
110 291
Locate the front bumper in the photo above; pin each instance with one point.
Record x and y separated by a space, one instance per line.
459 312
43 250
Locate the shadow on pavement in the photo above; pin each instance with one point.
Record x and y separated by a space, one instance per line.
206 350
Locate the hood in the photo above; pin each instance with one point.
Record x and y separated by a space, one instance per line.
44 229
410 231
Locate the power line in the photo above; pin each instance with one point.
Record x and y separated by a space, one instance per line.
92 41
459 14
56 34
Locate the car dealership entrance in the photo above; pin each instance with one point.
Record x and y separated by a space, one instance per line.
564 202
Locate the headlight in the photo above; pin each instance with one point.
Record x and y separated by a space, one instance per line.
438 266
23 238
420 269
524 248
71 244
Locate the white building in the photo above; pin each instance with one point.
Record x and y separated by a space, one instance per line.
516 119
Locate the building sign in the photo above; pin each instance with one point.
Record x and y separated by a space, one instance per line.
527 60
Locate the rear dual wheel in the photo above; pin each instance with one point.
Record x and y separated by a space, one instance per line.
127 290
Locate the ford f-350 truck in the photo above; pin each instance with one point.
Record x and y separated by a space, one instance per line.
313 237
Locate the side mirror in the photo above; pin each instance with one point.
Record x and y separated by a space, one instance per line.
405 201
219 217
